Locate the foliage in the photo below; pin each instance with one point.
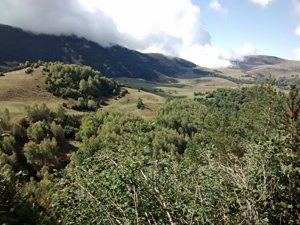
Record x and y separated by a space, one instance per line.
204 73
43 154
29 70
129 186
139 103
229 159
8 145
57 131
80 83
5 119
38 113
38 131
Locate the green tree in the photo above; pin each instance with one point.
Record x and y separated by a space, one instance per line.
57 131
92 104
139 103
38 112
5 119
83 86
18 131
38 131
81 103
43 154
60 113
293 109
8 145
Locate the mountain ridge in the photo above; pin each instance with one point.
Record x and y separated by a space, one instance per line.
19 46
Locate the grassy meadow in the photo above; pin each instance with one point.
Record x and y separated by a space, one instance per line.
18 89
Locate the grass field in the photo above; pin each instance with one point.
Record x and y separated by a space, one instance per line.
181 88
18 89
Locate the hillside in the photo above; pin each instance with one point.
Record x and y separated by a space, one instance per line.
18 90
18 46
260 66
230 159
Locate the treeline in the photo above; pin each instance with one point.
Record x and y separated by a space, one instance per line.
284 82
230 159
204 73
27 65
82 83
31 150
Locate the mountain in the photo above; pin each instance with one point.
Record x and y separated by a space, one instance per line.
18 46
258 66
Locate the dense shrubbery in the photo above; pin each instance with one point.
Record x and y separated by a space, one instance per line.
27 65
229 159
204 73
82 83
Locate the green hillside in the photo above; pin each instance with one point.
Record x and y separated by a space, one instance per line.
229 158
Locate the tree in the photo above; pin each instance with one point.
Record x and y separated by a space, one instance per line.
293 110
5 119
28 70
43 154
18 131
57 131
60 113
92 104
37 131
8 145
82 104
83 86
38 112
139 103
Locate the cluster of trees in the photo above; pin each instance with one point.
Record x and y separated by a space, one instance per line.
70 80
31 148
204 73
229 159
27 65
284 82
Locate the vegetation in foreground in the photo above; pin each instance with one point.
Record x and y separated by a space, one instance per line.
232 158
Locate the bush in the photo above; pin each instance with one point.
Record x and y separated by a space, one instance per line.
29 70
139 103
70 132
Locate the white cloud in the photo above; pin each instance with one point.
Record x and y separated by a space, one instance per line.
296 7
294 54
171 27
297 31
216 6
296 10
214 56
262 3
247 49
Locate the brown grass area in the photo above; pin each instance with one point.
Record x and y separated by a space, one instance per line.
276 69
18 89
19 86
128 103
182 88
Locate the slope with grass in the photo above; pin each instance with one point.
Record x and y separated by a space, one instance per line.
18 89
258 66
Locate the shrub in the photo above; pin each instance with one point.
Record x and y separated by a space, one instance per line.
139 103
29 70
70 132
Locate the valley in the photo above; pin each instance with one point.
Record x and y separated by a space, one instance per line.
124 137
18 89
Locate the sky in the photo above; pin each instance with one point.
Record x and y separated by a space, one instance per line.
210 33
